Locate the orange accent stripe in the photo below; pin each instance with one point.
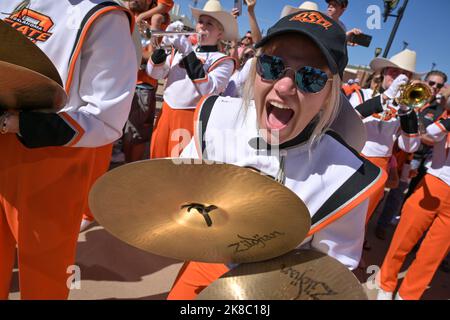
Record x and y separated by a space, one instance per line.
411 135
80 131
424 107
218 61
444 115
82 39
353 204
440 126
205 79
358 93
197 126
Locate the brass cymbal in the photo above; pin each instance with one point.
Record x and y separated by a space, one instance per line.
24 89
217 213
298 275
17 49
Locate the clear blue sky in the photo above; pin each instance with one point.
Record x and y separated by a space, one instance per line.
424 26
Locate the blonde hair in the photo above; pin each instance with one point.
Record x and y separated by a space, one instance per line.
327 114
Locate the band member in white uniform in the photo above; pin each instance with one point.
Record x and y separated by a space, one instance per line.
427 210
385 121
191 72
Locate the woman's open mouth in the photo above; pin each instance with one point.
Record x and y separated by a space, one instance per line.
278 115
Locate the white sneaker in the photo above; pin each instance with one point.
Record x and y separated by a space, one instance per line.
398 297
84 224
384 295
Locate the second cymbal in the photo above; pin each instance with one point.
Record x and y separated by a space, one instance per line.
298 275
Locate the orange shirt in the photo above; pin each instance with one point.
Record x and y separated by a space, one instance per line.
356 87
168 3
348 90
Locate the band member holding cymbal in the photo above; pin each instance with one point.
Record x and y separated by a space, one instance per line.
284 133
48 157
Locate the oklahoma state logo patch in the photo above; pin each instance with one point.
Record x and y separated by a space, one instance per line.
312 17
32 24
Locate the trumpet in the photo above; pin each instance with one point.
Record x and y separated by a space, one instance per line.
149 36
415 95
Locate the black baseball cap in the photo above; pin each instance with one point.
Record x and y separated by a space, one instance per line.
343 3
324 31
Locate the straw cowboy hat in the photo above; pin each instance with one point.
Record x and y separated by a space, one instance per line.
307 5
405 60
214 9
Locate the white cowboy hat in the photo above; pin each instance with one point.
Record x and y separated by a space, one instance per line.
214 9
307 5
405 60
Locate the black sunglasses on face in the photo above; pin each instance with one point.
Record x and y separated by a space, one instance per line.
307 79
438 85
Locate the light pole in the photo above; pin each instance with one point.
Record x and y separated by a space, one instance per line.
389 6
405 45
378 52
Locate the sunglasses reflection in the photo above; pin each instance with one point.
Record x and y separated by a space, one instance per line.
308 79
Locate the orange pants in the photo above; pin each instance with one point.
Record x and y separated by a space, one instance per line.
374 200
173 131
101 164
194 277
42 198
428 208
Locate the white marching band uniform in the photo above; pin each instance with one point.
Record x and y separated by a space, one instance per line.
183 92
382 133
440 164
328 178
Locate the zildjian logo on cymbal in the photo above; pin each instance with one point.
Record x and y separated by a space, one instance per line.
306 285
247 243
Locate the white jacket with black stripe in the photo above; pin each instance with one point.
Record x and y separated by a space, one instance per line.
331 178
